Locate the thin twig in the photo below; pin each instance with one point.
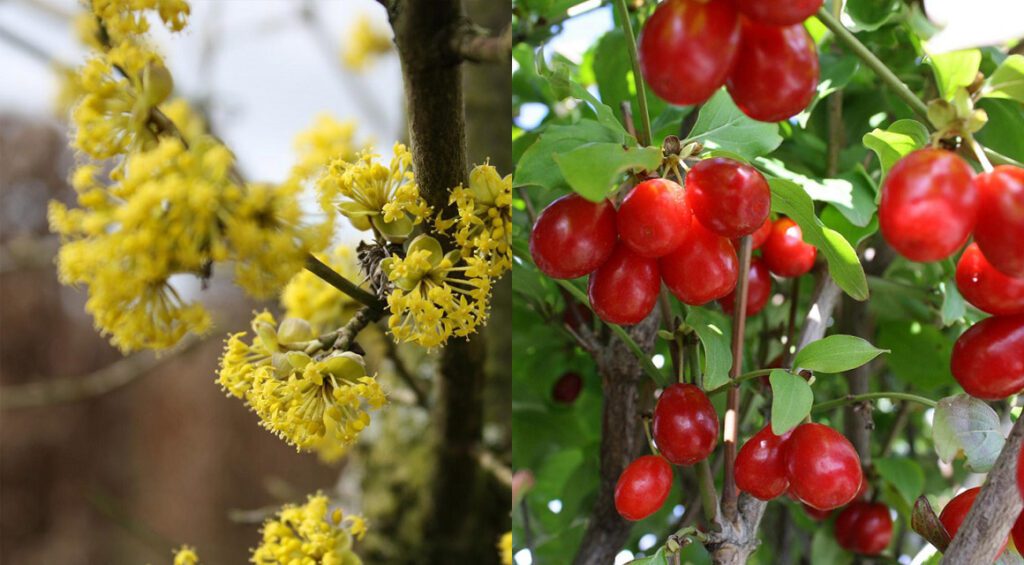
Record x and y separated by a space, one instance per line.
638 77
335 279
475 44
729 492
490 463
407 377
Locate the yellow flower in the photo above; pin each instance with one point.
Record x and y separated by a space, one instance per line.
436 295
483 227
327 139
186 555
307 296
372 195
505 548
310 534
190 124
364 41
303 400
124 19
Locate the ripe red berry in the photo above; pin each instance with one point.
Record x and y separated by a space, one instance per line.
778 12
956 510
702 269
759 237
687 48
785 253
625 288
643 487
929 205
864 528
567 388
758 291
822 466
653 218
777 74
760 465
987 288
1000 229
573 236
988 359
1020 478
729 198
685 425
1017 533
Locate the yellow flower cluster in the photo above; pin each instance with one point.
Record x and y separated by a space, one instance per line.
310 534
364 41
186 556
436 295
125 19
303 400
326 140
370 195
483 227
308 297
504 546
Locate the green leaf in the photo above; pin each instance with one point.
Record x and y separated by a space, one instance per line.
891 144
1007 81
1002 132
836 72
869 15
852 194
834 219
537 167
843 264
965 425
920 353
904 474
657 559
953 306
593 169
825 549
720 124
792 400
713 330
836 354
955 70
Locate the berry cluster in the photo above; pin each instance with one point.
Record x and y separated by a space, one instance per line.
663 232
688 49
931 204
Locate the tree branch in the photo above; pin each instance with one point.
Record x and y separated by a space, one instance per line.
335 279
732 424
470 42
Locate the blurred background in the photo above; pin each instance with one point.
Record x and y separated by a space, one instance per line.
107 459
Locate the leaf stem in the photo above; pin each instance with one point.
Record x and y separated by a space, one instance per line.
853 399
638 79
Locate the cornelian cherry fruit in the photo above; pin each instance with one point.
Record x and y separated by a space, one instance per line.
759 236
864 528
822 466
687 48
785 253
929 205
643 487
988 359
702 269
573 236
685 424
777 74
567 388
653 218
625 288
1000 229
760 466
952 516
987 288
759 290
729 198
778 12
1017 532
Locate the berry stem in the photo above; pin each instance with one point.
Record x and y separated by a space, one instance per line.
638 78
853 399
650 438
696 376
979 153
729 492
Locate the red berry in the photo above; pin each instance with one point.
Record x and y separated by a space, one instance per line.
687 48
956 510
625 288
759 237
864 527
778 12
929 205
777 74
643 487
988 359
1020 479
1017 533
573 236
653 218
760 466
785 253
822 466
1000 229
729 198
815 514
567 388
987 288
702 269
685 425
758 292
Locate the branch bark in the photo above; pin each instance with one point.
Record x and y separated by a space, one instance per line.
995 510
475 44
